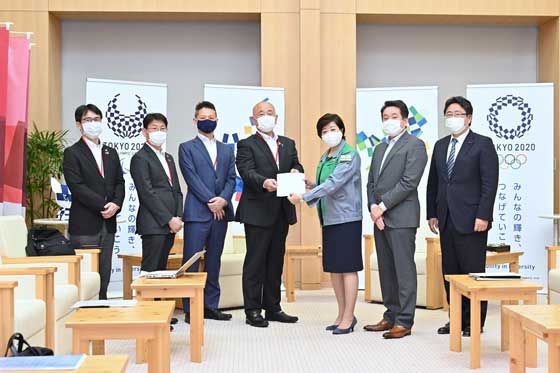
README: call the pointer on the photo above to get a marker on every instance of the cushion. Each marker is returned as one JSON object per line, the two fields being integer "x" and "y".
{"x": 13, "y": 236}
{"x": 90, "y": 285}
{"x": 232, "y": 264}
{"x": 64, "y": 297}
{"x": 554, "y": 280}
{"x": 29, "y": 316}
{"x": 419, "y": 258}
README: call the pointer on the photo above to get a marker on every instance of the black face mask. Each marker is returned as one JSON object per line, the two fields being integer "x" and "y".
{"x": 207, "y": 125}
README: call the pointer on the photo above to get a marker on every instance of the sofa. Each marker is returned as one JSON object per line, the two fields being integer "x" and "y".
{"x": 553, "y": 275}
{"x": 72, "y": 282}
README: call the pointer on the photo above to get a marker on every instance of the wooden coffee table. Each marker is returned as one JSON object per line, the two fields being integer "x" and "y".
{"x": 507, "y": 291}
{"x": 144, "y": 321}
{"x": 189, "y": 286}
{"x": 542, "y": 321}
{"x": 292, "y": 253}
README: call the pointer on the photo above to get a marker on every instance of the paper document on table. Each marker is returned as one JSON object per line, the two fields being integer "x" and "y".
{"x": 289, "y": 183}
{"x": 42, "y": 363}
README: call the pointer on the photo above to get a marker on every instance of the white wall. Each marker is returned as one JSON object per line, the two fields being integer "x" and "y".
{"x": 185, "y": 56}
{"x": 447, "y": 56}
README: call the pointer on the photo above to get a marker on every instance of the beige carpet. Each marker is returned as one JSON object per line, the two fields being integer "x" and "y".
{"x": 306, "y": 347}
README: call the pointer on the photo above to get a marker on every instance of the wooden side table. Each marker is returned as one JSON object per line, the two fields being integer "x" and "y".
{"x": 188, "y": 286}
{"x": 145, "y": 321}
{"x": 511, "y": 258}
{"x": 134, "y": 260}
{"x": 542, "y": 321}
{"x": 477, "y": 291}
{"x": 292, "y": 253}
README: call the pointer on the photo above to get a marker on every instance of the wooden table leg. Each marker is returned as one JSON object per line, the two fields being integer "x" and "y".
{"x": 127, "y": 279}
{"x": 289, "y": 281}
{"x": 159, "y": 351}
{"x": 98, "y": 347}
{"x": 531, "y": 340}
{"x": 454, "y": 318}
{"x": 141, "y": 344}
{"x": 505, "y": 324}
{"x": 79, "y": 345}
{"x": 554, "y": 353}
{"x": 514, "y": 266}
{"x": 517, "y": 352}
{"x": 475, "y": 332}
{"x": 196, "y": 325}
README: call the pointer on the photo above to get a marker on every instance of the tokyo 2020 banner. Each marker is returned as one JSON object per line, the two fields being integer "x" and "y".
{"x": 124, "y": 106}
{"x": 520, "y": 120}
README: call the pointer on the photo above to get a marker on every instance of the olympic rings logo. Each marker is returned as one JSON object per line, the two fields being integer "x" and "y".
{"x": 512, "y": 161}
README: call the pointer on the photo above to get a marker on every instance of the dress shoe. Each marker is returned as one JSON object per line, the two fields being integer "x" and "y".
{"x": 281, "y": 316}
{"x": 349, "y": 330}
{"x": 332, "y": 327}
{"x": 188, "y": 317}
{"x": 174, "y": 321}
{"x": 215, "y": 314}
{"x": 397, "y": 331}
{"x": 254, "y": 318}
{"x": 379, "y": 327}
{"x": 444, "y": 329}
{"x": 170, "y": 328}
{"x": 467, "y": 331}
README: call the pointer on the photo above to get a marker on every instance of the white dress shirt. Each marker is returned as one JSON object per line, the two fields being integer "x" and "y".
{"x": 460, "y": 141}
{"x": 161, "y": 156}
{"x": 96, "y": 151}
{"x": 272, "y": 142}
{"x": 211, "y": 148}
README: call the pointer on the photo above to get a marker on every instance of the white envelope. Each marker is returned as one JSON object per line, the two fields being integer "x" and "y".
{"x": 289, "y": 183}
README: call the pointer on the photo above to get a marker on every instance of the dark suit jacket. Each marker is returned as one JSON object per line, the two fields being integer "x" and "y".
{"x": 159, "y": 200}
{"x": 471, "y": 190}
{"x": 255, "y": 164}
{"x": 90, "y": 191}
{"x": 204, "y": 181}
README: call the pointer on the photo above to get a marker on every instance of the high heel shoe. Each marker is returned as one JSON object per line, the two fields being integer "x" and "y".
{"x": 332, "y": 327}
{"x": 347, "y": 330}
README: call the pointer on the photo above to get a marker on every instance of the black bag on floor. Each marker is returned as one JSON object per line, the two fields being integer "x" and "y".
{"x": 16, "y": 345}
{"x": 43, "y": 241}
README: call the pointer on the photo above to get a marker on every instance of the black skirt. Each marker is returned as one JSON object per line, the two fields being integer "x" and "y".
{"x": 342, "y": 247}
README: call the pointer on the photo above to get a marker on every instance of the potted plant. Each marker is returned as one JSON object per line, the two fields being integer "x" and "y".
{"x": 45, "y": 150}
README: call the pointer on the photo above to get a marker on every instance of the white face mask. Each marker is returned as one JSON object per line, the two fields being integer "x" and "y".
{"x": 392, "y": 127}
{"x": 266, "y": 123}
{"x": 158, "y": 137}
{"x": 455, "y": 125}
{"x": 332, "y": 138}
{"x": 92, "y": 130}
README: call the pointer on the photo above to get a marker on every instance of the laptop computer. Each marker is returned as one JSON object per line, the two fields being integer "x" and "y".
{"x": 178, "y": 273}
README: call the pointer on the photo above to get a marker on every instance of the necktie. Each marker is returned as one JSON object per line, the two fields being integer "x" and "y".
{"x": 451, "y": 158}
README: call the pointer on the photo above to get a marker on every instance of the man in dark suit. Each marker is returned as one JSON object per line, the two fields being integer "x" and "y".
{"x": 260, "y": 158}
{"x": 95, "y": 178}
{"x": 159, "y": 195}
{"x": 392, "y": 190}
{"x": 460, "y": 198}
{"x": 208, "y": 167}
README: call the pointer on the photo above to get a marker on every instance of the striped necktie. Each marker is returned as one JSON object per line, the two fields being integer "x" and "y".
{"x": 451, "y": 158}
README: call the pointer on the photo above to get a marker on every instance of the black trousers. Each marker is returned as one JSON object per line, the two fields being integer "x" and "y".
{"x": 155, "y": 251}
{"x": 262, "y": 269}
{"x": 462, "y": 254}
{"x": 105, "y": 241}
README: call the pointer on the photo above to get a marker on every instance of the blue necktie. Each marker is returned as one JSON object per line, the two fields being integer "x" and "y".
{"x": 451, "y": 158}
